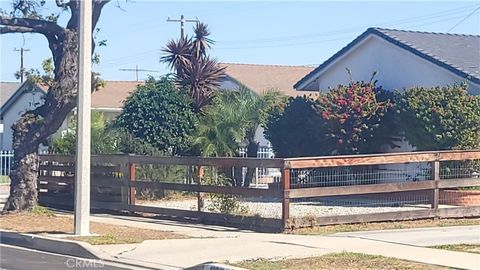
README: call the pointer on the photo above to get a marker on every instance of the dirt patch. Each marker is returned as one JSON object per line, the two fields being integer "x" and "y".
{"x": 105, "y": 233}
{"x": 391, "y": 225}
{"x": 344, "y": 260}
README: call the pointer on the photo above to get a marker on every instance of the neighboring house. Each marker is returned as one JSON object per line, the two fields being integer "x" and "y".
{"x": 6, "y": 90}
{"x": 27, "y": 96}
{"x": 403, "y": 59}
{"x": 263, "y": 78}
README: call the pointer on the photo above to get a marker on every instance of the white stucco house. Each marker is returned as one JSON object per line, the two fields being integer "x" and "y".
{"x": 17, "y": 98}
{"x": 403, "y": 59}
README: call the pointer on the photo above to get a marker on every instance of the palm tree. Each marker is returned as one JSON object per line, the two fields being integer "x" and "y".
{"x": 194, "y": 70}
{"x": 232, "y": 122}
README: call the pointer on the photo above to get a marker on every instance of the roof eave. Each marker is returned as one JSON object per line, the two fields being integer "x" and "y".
{"x": 307, "y": 79}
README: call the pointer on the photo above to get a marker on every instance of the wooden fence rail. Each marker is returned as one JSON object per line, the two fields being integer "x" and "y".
{"x": 115, "y": 185}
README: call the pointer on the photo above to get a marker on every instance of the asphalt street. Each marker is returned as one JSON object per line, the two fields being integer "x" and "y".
{"x": 22, "y": 258}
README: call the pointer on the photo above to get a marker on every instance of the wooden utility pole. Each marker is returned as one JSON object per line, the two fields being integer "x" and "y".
{"x": 136, "y": 69}
{"x": 82, "y": 169}
{"x": 182, "y": 22}
{"x": 22, "y": 68}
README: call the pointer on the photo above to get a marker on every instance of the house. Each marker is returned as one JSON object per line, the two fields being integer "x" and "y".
{"x": 17, "y": 98}
{"x": 263, "y": 78}
{"x": 403, "y": 59}
{"x": 6, "y": 90}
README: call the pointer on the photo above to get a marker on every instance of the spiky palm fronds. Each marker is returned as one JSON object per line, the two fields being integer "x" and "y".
{"x": 201, "y": 78}
{"x": 201, "y": 43}
{"x": 195, "y": 71}
{"x": 177, "y": 53}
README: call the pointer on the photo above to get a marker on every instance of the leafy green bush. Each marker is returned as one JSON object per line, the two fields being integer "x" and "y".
{"x": 297, "y": 129}
{"x": 349, "y": 119}
{"x": 441, "y": 118}
{"x": 161, "y": 115}
{"x": 103, "y": 140}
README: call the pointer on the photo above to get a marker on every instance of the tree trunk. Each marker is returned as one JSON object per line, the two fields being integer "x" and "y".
{"x": 34, "y": 127}
{"x": 252, "y": 150}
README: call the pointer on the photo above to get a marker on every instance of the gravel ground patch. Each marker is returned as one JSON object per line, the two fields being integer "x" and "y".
{"x": 273, "y": 209}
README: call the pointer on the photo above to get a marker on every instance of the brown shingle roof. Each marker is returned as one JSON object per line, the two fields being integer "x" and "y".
{"x": 113, "y": 94}
{"x": 261, "y": 78}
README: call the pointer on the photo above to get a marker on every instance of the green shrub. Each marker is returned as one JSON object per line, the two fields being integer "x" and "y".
{"x": 357, "y": 118}
{"x": 161, "y": 115}
{"x": 441, "y": 118}
{"x": 297, "y": 129}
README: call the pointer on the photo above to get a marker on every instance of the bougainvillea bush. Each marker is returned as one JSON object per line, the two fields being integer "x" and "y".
{"x": 359, "y": 118}
{"x": 349, "y": 119}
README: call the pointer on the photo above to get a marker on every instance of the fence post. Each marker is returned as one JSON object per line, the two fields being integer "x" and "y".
{"x": 131, "y": 184}
{"x": 286, "y": 197}
{"x": 199, "y": 194}
{"x": 435, "y": 191}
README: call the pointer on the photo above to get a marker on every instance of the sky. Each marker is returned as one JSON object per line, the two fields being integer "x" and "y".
{"x": 249, "y": 32}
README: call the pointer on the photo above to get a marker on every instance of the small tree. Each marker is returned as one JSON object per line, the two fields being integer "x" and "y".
{"x": 35, "y": 126}
{"x": 355, "y": 116}
{"x": 194, "y": 70}
{"x": 159, "y": 114}
{"x": 296, "y": 129}
{"x": 441, "y": 118}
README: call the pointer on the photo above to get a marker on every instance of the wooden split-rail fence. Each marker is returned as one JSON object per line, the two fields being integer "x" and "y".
{"x": 115, "y": 185}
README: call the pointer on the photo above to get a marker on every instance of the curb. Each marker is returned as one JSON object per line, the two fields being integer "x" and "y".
{"x": 84, "y": 250}
{"x": 48, "y": 244}
{"x": 214, "y": 266}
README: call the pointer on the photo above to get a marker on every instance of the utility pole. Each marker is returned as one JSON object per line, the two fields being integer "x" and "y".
{"x": 22, "y": 68}
{"x": 82, "y": 168}
{"x": 182, "y": 22}
{"x": 136, "y": 69}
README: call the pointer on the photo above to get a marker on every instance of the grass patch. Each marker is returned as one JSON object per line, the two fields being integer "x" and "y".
{"x": 344, "y": 260}
{"x": 46, "y": 223}
{"x": 470, "y": 248}
{"x": 41, "y": 211}
{"x": 390, "y": 225}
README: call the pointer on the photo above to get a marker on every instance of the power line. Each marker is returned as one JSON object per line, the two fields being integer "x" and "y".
{"x": 317, "y": 41}
{"x": 445, "y": 13}
{"x": 136, "y": 69}
{"x": 468, "y": 16}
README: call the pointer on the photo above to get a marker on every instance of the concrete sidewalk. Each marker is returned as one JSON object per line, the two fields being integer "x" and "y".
{"x": 216, "y": 244}
{"x": 423, "y": 236}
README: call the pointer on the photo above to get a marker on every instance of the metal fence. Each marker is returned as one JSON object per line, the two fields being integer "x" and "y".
{"x": 262, "y": 176}
{"x": 6, "y": 160}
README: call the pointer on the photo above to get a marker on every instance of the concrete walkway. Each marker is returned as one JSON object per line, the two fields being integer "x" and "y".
{"x": 216, "y": 243}
{"x": 423, "y": 236}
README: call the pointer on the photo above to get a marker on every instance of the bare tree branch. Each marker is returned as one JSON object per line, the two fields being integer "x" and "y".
{"x": 37, "y": 26}
{"x": 97, "y": 10}
{"x": 15, "y": 29}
